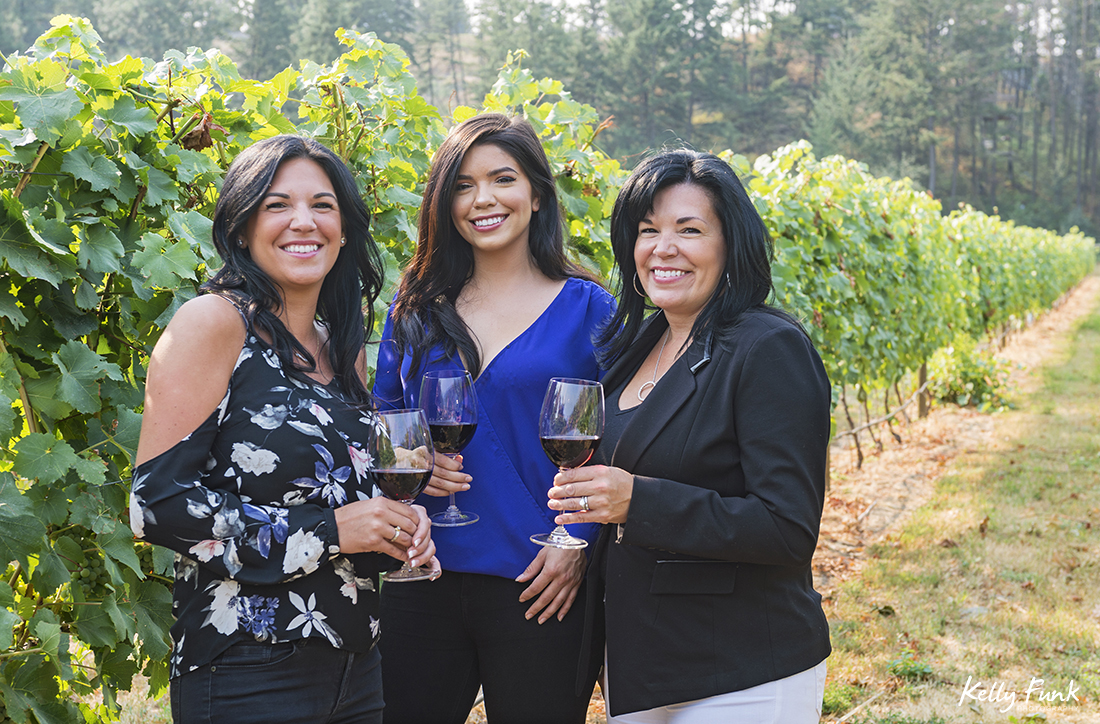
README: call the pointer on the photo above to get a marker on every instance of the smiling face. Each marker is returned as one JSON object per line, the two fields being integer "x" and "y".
{"x": 294, "y": 234}
{"x": 493, "y": 201}
{"x": 680, "y": 252}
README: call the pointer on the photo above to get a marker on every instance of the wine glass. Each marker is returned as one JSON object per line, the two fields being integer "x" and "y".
{"x": 570, "y": 428}
{"x": 448, "y": 399}
{"x": 401, "y": 461}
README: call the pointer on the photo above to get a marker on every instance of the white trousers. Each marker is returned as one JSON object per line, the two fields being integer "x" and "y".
{"x": 793, "y": 700}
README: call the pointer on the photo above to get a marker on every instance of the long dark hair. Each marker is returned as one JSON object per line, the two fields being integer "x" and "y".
{"x": 424, "y": 313}
{"x": 748, "y": 246}
{"x": 355, "y": 279}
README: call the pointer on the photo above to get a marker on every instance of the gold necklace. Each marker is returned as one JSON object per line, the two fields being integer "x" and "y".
{"x": 646, "y": 386}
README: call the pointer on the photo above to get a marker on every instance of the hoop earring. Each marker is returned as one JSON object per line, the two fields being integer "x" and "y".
{"x": 641, "y": 292}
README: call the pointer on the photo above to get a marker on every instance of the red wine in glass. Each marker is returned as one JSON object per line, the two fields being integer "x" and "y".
{"x": 449, "y": 439}
{"x": 570, "y": 429}
{"x": 448, "y": 399}
{"x": 402, "y": 483}
{"x": 402, "y": 459}
{"x": 569, "y": 451}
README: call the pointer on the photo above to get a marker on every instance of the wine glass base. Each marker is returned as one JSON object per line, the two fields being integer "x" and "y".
{"x": 552, "y": 540}
{"x": 453, "y": 518}
{"x": 408, "y": 575}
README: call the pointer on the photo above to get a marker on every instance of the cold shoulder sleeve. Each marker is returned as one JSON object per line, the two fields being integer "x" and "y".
{"x": 171, "y": 505}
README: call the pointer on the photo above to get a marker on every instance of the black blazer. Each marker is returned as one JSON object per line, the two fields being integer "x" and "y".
{"x": 708, "y": 585}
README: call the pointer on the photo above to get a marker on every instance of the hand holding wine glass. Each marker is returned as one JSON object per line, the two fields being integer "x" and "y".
{"x": 448, "y": 400}
{"x": 570, "y": 428}
{"x": 401, "y": 462}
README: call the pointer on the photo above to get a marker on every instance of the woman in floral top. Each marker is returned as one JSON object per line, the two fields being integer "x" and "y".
{"x": 252, "y": 463}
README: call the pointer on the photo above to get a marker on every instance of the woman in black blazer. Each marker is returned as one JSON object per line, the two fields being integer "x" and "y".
{"x": 713, "y": 474}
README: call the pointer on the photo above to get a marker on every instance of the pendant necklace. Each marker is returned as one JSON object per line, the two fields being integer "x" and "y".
{"x": 647, "y": 386}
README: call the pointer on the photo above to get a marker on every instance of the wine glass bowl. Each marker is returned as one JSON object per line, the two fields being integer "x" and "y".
{"x": 570, "y": 430}
{"x": 401, "y": 461}
{"x": 447, "y": 398}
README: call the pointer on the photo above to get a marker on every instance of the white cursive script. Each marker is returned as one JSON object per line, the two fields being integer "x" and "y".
{"x": 999, "y": 694}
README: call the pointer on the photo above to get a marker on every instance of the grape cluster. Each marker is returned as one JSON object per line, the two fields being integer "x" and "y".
{"x": 145, "y": 557}
{"x": 91, "y": 576}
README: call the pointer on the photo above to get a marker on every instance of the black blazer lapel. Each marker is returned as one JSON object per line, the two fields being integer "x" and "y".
{"x": 663, "y": 402}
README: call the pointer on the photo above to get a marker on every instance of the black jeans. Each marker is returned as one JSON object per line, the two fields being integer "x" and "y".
{"x": 306, "y": 682}
{"x": 442, "y": 639}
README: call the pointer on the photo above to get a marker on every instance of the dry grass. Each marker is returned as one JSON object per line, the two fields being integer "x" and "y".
{"x": 985, "y": 565}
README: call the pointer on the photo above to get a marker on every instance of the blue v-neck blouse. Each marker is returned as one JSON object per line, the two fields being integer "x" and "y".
{"x": 510, "y": 471}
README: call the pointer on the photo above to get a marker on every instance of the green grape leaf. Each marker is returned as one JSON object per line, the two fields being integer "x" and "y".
{"x": 81, "y": 369}
{"x": 125, "y": 433}
{"x": 119, "y": 619}
{"x": 18, "y": 247}
{"x": 189, "y": 165}
{"x": 13, "y": 138}
{"x": 67, "y": 548}
{"x": 99, "y": 171}
{"x": 164, "y": 263}
{"x": 89, "y": 510}
{"x": 47, "y": 628}
{"x": 196, "y": 230}
{"x": 86, "y": 297}
{"x": 398, "y": 195}
{"x": 42, "y": 394}
{"x": 53, "y": 234}
{"x": 96, "y": 627}
{"x": 23, "y": 532}
{"x": 152, "y": 605}
{"x": 100, "y": 250}
{"x": 9, "y": 309}
{"x": 43, "y": 103}
{"x": 32, "y": 684}
{"x": 92, "y": 471}
{"x": 164, "y": 560}
{"x": 119, "y": 545}
{"x": 125, "y": 113}
{"x": 43, "y": 458}
{"x": 68, "y": 319}
{"x": 156, "y": 670}
{"x": 8, "y": 621}
{"x": 50, "y": 573}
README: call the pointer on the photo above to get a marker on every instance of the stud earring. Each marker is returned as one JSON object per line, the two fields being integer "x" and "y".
{"x": 240, "y": 243}
{"x": 343, "y": 241}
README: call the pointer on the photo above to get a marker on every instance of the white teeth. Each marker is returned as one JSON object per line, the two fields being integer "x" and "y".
{"x": 301, "y": 248}
{"x": 667, "y": 273}
{"x": 488, "y": 222}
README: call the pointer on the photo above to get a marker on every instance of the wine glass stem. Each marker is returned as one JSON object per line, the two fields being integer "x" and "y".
{"x": 452, "y": 508}
{"x": 559, "y": 533}
{"x": 405, "y": 567}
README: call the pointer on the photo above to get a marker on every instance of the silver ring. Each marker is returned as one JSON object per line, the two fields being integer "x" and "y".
{"x": 584, "y": 503}
{"x": 396, "y": 532}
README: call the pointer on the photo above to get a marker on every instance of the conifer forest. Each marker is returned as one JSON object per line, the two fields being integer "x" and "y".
{"x": 982, "y": 102}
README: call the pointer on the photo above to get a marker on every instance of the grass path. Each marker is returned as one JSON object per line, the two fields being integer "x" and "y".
{"x": 994, "y": 583}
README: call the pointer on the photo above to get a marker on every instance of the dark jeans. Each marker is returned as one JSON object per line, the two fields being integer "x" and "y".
{"x": 306, "y": 682}
{"x": 442, "y": 639}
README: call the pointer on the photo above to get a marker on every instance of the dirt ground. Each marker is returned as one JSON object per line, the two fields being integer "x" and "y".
{"x": 863, "y": 505}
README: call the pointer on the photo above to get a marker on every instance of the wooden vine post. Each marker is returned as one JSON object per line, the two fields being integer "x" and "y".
{"x": 922, "y": 401}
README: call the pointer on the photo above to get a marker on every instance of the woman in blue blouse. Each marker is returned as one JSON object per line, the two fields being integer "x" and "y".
{"x": 251, "y": 462}
{"x": 490, "y": 290}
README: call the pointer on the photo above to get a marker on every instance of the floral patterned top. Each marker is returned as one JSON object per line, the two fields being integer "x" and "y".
{"x": 247, "y": 502}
